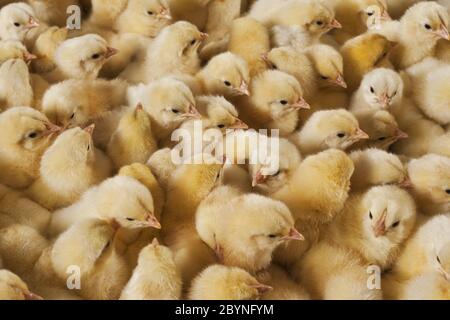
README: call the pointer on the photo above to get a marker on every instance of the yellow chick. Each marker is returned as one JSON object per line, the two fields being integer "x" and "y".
{"x": 45, "y": 47}
{"x": 15, "y": 85}
{"x": 219, "y": 282}
{"x": 382, "y": 128}
{"x": 398, "y": 7}
{"x": 441, "y": 145}
{"x": 104, "y": 13}
{"x": 122, "y": 200}
{"x": 13, "y": 288}
{"x": 133, "y": 140}
{"x": 169, "y": 102}
{"x": 14, "y": 49}
{"x": 362, "y": 54}
{"x": 379, "y": 90}
{"x": 343, "y": 277}
{"x": 376, "y": 16}
{"x": 80, "y": 58}
{"x": 194, "y": 11}
{"x": 155, "y": 277}
{"x": 68, "y": 168}
{"x": 418, "y": 33}
{"x": 162, "y": 166}
{"x": 27, "y": 134}
{"x": 431, "y": 183}
{"x": 52, "y": 12}
{"x": 274, "y": 103}
{"x": 250, "y": 39}
{"x": 16, "y": 21}
{"x": 430, "y": 286}
{"x": 296, "y": 23}
{"x": 338, "y": 129}
{"x": 374, "y": 167}
{"x": 375, "y": 224}
{"x": 93, "y": 246}
{"x": 174, "y": 51}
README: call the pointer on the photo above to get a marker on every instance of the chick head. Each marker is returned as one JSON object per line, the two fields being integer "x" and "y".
{"x": 48, "y": 41}
{"x": 16, "y": 20}
{"x": 427, "y": 20}
{"x": 329, "y": 65}
{"x": 381, "y": 88}
{"x": 287, "y": 59}
{"x": 277, "y": 93}
{"x": 375, "y": 14}
{"x": 430, "y": 176}
{"x": 228, "y": 75}
{"x": 13, "y": 288}
{"x": 388, "y": 212}
{"x": 219, "y": 113}
{"x": 267, "y": 181}
{"x": 84, "y": 56}
{"x": 26, "y": 130}
{"x": 13, "y": 49}
{"x": 228, "y": 283}
{"x": 169, "y": 102}
{"x": 252, "y": 235}
{"x": 155, "y": 254}
{"x": 126, "y": 202}
{"x": 332, "y": 129}
{"x": 443, "y": 261}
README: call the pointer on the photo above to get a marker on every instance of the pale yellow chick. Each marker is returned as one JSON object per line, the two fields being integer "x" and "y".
{"x": 13, "y": 288}
{"x": 14, "y": 49}
{"x": 45, "y": 47}
{"x": 15, "y": 85}
{"x": 16, "y": 21}
{"x": 53, "y": 12}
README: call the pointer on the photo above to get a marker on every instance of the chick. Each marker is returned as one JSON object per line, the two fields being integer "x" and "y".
{"x": 15, "y": 85}
{"x": 337, "y": 129}
{"x": 68, "y": 168}
{"x": 226, "y": 283}
{"x": 155, "y": 277}
{"x": 250, "y": 39}
{"x": 13, "y": 49}
{"x": 441, "y": 145}
{"x": 296, "y": 23}
{"x": 104, "y": 13}
{"x": 168, "y": 102}
{"x": 194, "y": 11}
{"x": 362, "y": 54}
{"x": 431, "y": 183}
{"x": 379, "y": 89}
{"x": 93, "y": 246}
{"x": 225, "y": 75}
{"x": 398, "y": 7}
{"x": 133, "y": 140}
{"x": 27, "y": 134}
{"x": 374, "y": 167}
{"x": 108, "y": 201}
{"x": 16, "y": 21}
{"x": 424, "y": 24}
{"x": 45, "y": 47}
{"x": 274, "y": 103}
{"x": 375, "y": 224}
{"x": 382, "y": 128}
{"x": 162, "y": 166}
{"x": 430, "y": 286}
{"x": 376, "y": 16}
{"x": 80, "y": 58}
{"x": 174, "y": 51}
{"x": 13, "y": 288}
{"x": 52, "y": 12}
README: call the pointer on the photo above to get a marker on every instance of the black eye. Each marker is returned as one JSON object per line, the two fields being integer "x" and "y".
{"x": 221, "y": 126}
{"x": 72, "y": 116}
{"x": 341, "y": 135}
{"x": 370, "y": 14}
{"x": 284, "y": 102}
{"x": 438, "y": 260}
{"x": 88, "y": 147}
{"x": 96, "y": 56}
{"x": 17, "y": 24}
{"x": 395, "y": 93}
{"x": 319, "y": 23}
{"x": 372, "y": 90}
{"x": 130, "y": 219}
{"x": 324, "y": 78}
{"x": 273, "y": 236}
{"x": 370, "y": 215}
{"x": 175, "y": 111}
{"x": 427, "y": 26}
{"x": 150, "y": 13}
{"x": 277, "y": 173}
{"x": 32, "y": 135}
{"x": 193, "y": 42}
{"x": 396, "y": 224}
{"x": 447, "y": 191}
{"x": 382, "y": 139}
{"x": 227, "y": 83}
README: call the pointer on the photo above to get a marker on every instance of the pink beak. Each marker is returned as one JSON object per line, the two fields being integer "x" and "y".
{"x": 361, "y": 135}
{"x": 32, "y": 296}
{"x": 385, "y": 101}
{"x": 294, "y": 235}
{"x": 301, "y": 104}
{"x": 259, "y": 179}
{"x": 262, "y": 288}
{"x": 340, "y": 82}
{"x": 406, "y": 183}
{"x": 204, "y": 36}
{"x": 164, "y": 14}
{"x": 28, "y": 57}
{"x": 90, "y": 129}
{"x": 155, "y": 242}
{"x": 32, "y": 23}
{"x": 399, "y": 134}
{"x": 239, "y": 125}
{"x": 110, "y": 52}
{"x": 52, "y": 128}
{"x": 153, "y": 222}
{"x": 380, "y": 226}
{"x": 443, "y": 32}
{"x": 335, "y": 24}
{"x": 193, "y": 113}
{"x": 243, "y": 89}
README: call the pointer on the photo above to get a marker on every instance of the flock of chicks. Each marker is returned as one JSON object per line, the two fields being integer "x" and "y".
{"x": 358, "y": 89}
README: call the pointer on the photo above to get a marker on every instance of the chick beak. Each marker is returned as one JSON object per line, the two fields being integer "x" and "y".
{"x": 339, "y": 81}
{"x": 115, "y": 225}
{"x": 153, "y": 222}
{"x": 32, "y": 296}
{"x": 164, "y": 14}
{"x": 335, "y": 24}
{"x": 90, "y": 129}
{"x": 361, "y": 135}
{"x": 265, "y": 58}
{"x": 193, "y": 113}
{"x": 243, "y": 89}
{"x": 28, "y": 57}
{"x": 32, "y": 23}
{"x": 406, "y": 183}
{"x": 444, "y": 273}
{"x": 259, "y": 179}
{"x": 384, "y": 101}
{"x": 399, "y": 134}
{"x": 380, "y": 226}
{"x": 110, "y": 52}
{"x": 294, "y": 235}
{"x": 139, "y": 107}
{"x": 301, "y": 104}
{"x": 239, "y": 125}
{"x": 262, "y": 288}
{"x": 52, "y": 129}
{"x": 155, "y": 242}
{"x": 443, "y": 32}
{"x": 203, "y": 36}
{"x": 385, "y": 16}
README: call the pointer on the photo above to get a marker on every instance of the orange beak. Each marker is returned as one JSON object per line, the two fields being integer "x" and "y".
{"x": 32, "y": 23}
{"x": 52, "y": 128}
{"x": 110, "y": 52}
{"x": 443, "y": 32}
{"x": 153, "y": 222}
{"x": 239, "y": 125}
{"x": 294, "y": 235}
{"x": 28, "y": 57}
{"x": 399, "y": 134}
{"x": 301, "y": 104}
{"x": 361, "y": 135}
{"x": 164, "y": 14}
{"x": 259, "y": 179}
{"x": 262, "y": 288}
{"x": 335, "y": 24}
{"x": 243, "y": 89}
{"x": 193, "y": 113}
{"x": 155, "y": 242}
{"x": 380, "y": 226}
{"x": 203, "y": 36}
{"x": 339, "y": 81}
{"x": 90, "y": 129}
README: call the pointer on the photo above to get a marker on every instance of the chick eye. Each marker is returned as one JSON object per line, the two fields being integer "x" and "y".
{"x": 88, "y": 147}
{"x": 370, "y": 215}
{"x": 273, "y": 236}
{"x": 277, "y": 173}
{"x": 32, "y": 135}
{"x": 72, "y": 116}
{"x": 319, "y": 23}
{"x": 370, "y": 13}
{"x": 227, "y": 83}
{"x": 17, "y": 24}
{"x": 395, "y": 93}
{"x": 284, "y": 102}
{"x": 324, "y": 78}
{"x": 150, "y": 13}
{"x": 130, "y": 219}
{"x": 447, "y": 191}
{"x": 341, "y": 135}
{"x": 193, "y": 42}
{"x": 372, "y": 90}
{"x": 175, "y": 111}
{"x": 396, "y": 224}
{"x": 438, "y": 260}
{"x": 427, "y": 26}
{"x": 382, "y": 139}
{"x": 221, "y": 126}
{"x": 95, "y": 56}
